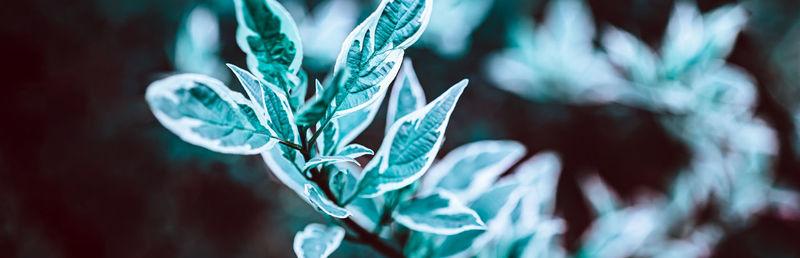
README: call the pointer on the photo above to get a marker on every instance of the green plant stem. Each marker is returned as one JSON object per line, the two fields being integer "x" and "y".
{"x": 289, "y": 144}
{"x": 364, "y": 236}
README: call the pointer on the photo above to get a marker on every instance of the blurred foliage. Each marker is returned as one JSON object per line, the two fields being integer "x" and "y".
{"x": 88, "y": 172}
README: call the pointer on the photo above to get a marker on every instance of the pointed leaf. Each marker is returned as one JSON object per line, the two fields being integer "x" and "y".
{"x": 631, "y": 54}
{"x": 269, "y": 37}
{"x": 683, "y": 40}
{"x": 367, "y": 80}
{"x": 539, "y": 175}
{"x": 493, "y": 207}
{"x": 204, "y": 112}
{"x": 197, "y": 45}
{"x": 273, "y": 108}
{"x": 299, "y": 89}
{"x": 311, "y": 114}
{"x": 319, "y": 160}
{"x": 407, "y": 94}
{"x": 328, "y": 141}
{"x": 440, "y": 213}
{"x": 410, "y": 146}
{"x": 354, "y": 151}
{"x": 401, "y": 22}
{"x": 373, "y": 51}
{"x": 338, "y": 182}
{"x": 470, "y": 170}
{"x": 286, "y": 172}
{"x": 353, "y": 124}
{"x": 317, "y": 241}
{"x": 324, "y": 204}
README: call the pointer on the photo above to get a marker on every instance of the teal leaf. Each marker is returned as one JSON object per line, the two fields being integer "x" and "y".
{"x": 694, "y": 40}
{"x": 204, "y": 112}
{"x": 401, "y": 22}
{"x": 297, "y": 96}
{"x": 330, "y": 134}
{"x": 353, "y": 124}
{"x": 635, "y": 58}
{"x": 407, "y": 94}
{"x": 328, "y": 22}
{"x": 452, "y": 24}
{"x": 439, "y": 213}
{"x": 320, "y": 160}
{"x": 367, "y": 81}
{"x": 197, "y": 45}
{"x": 410, "y": 145}
{"x": 317, "y": 241}
{"x": 324, "y": 204}
{"x": 354, "y": 151}
{"x": 372, "y": 53}
{"x": 365, "y": 211}
{"x": 338, "y": 182}
{"x": 286, "y": 172}
{"x": 494, "y": 207}
{"x": 539, "y": 175}
{"x": 683, "y": 39}
{"x": 272, "y": 108}
{"x": 543, "y": 61}
{"x": 311, "y": 114}
{"x": 600, "y": 196}
{"x": 269, "y": 37}
{"x": 470, "y": 170}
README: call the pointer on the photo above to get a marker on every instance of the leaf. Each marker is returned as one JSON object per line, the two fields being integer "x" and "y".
{"x": 327, "y": 143}
{"x": 410, "y": 145}
{"x": 329, "y": 21}
{"x": 365, "y": 211}
{"x": 313, "y": 112}
{"x": 317, "y": 240}
{"x": 197, "y": 45}
{"x": 493, "y": 207}
{"x": 452, "y": 24}
{"x": 683, "y": 39}
{"x": 440, "y": 213}
{"x": 539, "y": 175}
{"x": 338, "y": 183}
{"x": 407, "y": 94}
{"x": 324, "y": 204}
{"x": 367, "y": 80}
{"x": 544, "y": 60}
{"x": 298, "y": 93}
{"x": 272, "y": 108}
{"x": 353, "y": 124}
{"x": 372, "y": 53}
{"x": 204, "y": 112}
{"x": 319, "y": 160}
{"x": 354, "y": 151}
{"x": 601, "y": 197}
{"x": 286, "y": 172}
{"x": 632, "y": 55}
{"x": 269, "y": 37}
{"x": 401, "y": 22}
{"x": 470, "y": 170}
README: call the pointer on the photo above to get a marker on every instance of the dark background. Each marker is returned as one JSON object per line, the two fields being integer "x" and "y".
{"x": 86, "y": 170}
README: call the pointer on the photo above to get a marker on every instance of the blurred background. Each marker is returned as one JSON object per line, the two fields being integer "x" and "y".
{"x": 682, "y": 99}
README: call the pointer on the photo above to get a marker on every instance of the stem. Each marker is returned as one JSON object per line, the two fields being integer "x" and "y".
{"x": 290, "y": 144}
{"x": 365, "y": 237}
{"x": 372, "y": 240}
{"x": 319, "y": 132}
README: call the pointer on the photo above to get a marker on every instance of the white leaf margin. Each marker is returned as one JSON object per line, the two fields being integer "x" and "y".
{"x": 455, "y": 206}
{"x": 335, "y": 233}
{"x": 183, "y": 127}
